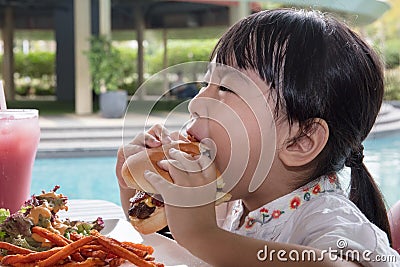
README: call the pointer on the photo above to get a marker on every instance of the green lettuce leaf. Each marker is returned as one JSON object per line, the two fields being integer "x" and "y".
{"x": 4, "y": 213}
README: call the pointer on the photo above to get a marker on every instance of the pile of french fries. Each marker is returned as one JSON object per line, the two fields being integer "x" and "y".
{"x": 92, "y": 250}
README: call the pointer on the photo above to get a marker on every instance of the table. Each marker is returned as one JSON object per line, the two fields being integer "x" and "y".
{"x": 89, "y": 210}
{"x": 166, "y": 250}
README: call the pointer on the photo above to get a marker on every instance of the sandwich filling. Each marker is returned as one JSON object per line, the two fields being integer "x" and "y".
{"x": 142, "y": 205}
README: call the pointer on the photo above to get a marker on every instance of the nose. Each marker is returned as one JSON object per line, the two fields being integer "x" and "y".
{"x": 197, "y": 105}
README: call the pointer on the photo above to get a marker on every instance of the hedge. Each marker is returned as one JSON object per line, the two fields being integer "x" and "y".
{"x": 392, "y": 84}
{"x": 180, "y": 51}
{"x": 35, "y": 72}
{"x": 391, "y": 53}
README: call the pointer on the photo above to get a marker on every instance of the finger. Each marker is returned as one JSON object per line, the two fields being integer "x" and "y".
{"x": 174, "y": 167}
{"x": 184, "y": 178}
{"x": 207, "y": 167}
{"x": 129, "y": 150}
{"x": 187, "y": 162}
{"x": 151, "y": 141}
{"x": 163, "y": 164}
{"x": 178, "y": 136}
{"x": 145, "y": 140}
{"x": 161, "y": 133}
{"x": 159, "y": 183}
{"x": 187, "y": 191}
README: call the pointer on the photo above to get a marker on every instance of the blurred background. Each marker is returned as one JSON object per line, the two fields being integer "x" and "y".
{"x": 45, "y": 45}
{"x": 64, "y": 57}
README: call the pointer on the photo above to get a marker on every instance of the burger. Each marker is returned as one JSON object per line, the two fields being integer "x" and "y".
{"x": 146, "y": 212}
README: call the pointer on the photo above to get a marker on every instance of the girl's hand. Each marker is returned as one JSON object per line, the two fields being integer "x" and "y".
{"x": 190, "y": 201}
{"x": 155, "y": 137}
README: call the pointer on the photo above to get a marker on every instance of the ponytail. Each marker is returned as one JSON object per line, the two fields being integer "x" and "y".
{"x": 365, "y": 193}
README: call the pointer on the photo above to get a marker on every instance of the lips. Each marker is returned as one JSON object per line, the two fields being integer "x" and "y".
{"x": 192, "y": 135}
{"x": 197, "y": 129}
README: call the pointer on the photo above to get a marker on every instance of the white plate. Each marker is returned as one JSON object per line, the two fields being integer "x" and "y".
{"x": 166, "y": 251}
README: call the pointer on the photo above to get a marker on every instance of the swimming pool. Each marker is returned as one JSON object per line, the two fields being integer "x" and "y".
{"x": 94, "y": 178}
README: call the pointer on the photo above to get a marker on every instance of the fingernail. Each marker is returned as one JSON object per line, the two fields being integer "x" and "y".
{"x": 173, "y": 150}
{"x": 146, "y": 172}
{"x": 161, "y": 164}
{"x": 167, "y": 139}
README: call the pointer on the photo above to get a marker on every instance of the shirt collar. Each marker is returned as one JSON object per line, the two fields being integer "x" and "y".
{"x": 278, "y": 211}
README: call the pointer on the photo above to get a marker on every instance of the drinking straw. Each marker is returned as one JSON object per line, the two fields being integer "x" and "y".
{"x": 3, "y": 104}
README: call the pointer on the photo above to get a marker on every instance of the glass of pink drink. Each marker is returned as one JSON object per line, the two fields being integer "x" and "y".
{"x": 19, "y": 138}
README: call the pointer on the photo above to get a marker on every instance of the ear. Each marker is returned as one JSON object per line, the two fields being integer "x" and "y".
{"x": 307, "y": 147}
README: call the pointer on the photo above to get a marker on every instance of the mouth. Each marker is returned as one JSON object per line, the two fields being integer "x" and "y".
{"x": 191, "y": 135}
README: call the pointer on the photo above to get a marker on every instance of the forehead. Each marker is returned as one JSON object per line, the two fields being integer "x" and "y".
{"x": 239, "y": 80}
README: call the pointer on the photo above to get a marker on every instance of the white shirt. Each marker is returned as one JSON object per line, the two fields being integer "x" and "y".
{"x": 317, "y": 215}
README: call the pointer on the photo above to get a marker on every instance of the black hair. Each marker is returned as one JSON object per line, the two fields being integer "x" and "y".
{"x": 317, "y": 67}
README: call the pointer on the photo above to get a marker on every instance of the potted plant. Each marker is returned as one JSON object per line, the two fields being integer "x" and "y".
{"x": 105, "y": 63}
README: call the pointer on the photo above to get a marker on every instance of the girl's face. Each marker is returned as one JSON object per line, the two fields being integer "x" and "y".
{"x": 233, "y": 111}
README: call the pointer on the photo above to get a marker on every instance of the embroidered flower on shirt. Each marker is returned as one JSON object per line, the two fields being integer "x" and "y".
{"x": 264, "y": 214}
{"x": 316, "y": 189}
{"x": 295, "y": 202}
{"x": 250, "y": 222}
{"x": 277, "y": 213}
{"x": 305, "y": 194}
{"x": 264, "y": 210}
{"x": 332, "y": 178}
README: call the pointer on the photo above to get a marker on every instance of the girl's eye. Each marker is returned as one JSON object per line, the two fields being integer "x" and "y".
{"x": 221, "y": 88}
{"x": 224, "y": 89}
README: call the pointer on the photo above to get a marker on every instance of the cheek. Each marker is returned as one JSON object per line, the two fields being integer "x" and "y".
{"x": 239, "y": 136}
{"x": 222, "y": 141}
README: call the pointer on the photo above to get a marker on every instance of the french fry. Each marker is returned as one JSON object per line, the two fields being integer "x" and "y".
{"x": 116, "y": 262}
{"x": 76, "y": 256}
{"x": 121, "y": 252}
{"x": 75, "y": 236}
{"x": 14, "y": 249}
{"x": 65, "y": 252}
{"x": 52, "y": 237}
{"x": 91, "y": 247}
{"x": 139, "y": 249}
{"x": 89, "y": 262}
{"x": 95, "y": 254}
{"x": 56, "y": 239}
{"x": 32, "y": 257}
{"x": 31, "y": 264}
{"x": 142, "y": 247}
{"x": 138, "y": 252}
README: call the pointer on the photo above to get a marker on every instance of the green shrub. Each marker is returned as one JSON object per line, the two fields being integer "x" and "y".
{"x": 129, "y": 67}
{"x": 392, "y": 53}
{"x": 181, "y": 51}
{"x": 22, "y": 90}
{"x": 130, "y": 84}
{"x": 35, "y": 71}
{"x": 392, "y": 84}
{"x": 129, "y": 61}
{"x": 35, "y": 64}
{"x": 105, "y": 62}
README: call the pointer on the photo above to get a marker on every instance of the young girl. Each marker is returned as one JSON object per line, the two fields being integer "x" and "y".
{"x": 325, "y": 87}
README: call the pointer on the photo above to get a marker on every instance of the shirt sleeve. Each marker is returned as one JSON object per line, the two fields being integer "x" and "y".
{"x": 336, "y": 225}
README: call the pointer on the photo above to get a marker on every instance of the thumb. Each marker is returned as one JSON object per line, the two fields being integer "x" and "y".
{"x": 159, "y": 183}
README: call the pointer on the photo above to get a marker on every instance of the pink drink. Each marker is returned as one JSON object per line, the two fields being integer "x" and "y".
{"x": 19, "y": 138}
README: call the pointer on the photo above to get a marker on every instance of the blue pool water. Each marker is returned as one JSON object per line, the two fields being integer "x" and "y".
{"x": 94, "y": 178}
{"x": 88, "y": 178}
